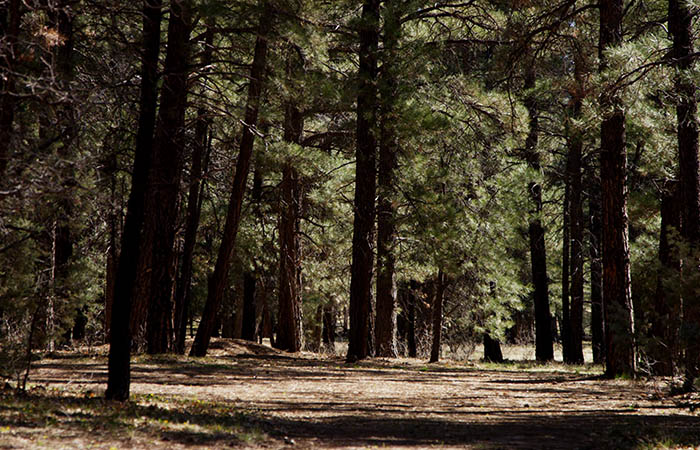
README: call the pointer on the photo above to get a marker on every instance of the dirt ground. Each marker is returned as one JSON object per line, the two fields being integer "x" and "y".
{"x": 250, "y": 395}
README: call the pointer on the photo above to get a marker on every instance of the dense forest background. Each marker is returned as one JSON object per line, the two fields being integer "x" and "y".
{"x": 409, "y": 176}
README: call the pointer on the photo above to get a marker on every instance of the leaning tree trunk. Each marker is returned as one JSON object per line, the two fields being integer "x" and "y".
{"x": 385, "y": 323}
{"x": 544, "y": 347}
{"x": 664, "y": 349}
{"x": 289, "y": 324}
{"x": 217, "y": 282}
{"x": 619, "y": 316}
{"x": 164, "y": 178}
{"x": 365, "y": 186}
{"x": 200, "y": 149}
{"x": 680, "y": 20}
{"x": 437, "y": 316}
{"x": 119, "y": 369}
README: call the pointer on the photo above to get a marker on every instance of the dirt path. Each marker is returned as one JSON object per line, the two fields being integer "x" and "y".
{"x": 310, "y": 402}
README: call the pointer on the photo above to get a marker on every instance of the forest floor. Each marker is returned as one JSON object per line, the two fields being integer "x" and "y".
{"x": 246, "y": 395}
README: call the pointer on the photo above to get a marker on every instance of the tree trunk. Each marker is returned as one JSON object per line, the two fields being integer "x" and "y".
{"x": 365, "y": 186}
{"x": 10, "y": 19}
{"x": 217, "y": 282}
{"x": 437, "y": 316}
{"x": 289, "y": 324}
{"x": 597, "y": 323}
{"x": 249, "y": 316}
{"x": 619, "y": 317}
{"x": 119, "y": 369}
{"x": 492, "y": 349}
{"x": 385, "y": 324}
{"x": 164, "y": 178}
{"x": 680, "y": 20}
{"x": 200, "y": 147}
{"x": 411, "y": 318}
{"x": 544, "y": 349}
{"x": 574, "y": 164}
{"x": 565, "y": 285}
{"x": 663, "y": 349}
{"x": 329, "y": 327}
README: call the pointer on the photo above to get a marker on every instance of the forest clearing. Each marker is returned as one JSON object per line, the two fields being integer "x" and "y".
{"x": 247, "y": 395}
{"x": 488, "y": 209}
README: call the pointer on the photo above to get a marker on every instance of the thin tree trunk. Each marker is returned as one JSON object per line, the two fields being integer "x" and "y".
{"x": 544, "y": 347}
{"x": 119, "y": 368}
{"x": 574, "y": 164}
{"x": 597, "y": 323}
{"x": 217, "y": 282}
{"x": 665, "y": 323}
{"x": 411, "y": 318}
{"x": 365, "y": 186}
{"x": 565, "y": 285}
{"x": 385, "y": 324}
{"x": 619, "y": 316}
{"x": 437, "y": 316}
{"x": 194, "y": 208}
{"x": 680, "y": 19}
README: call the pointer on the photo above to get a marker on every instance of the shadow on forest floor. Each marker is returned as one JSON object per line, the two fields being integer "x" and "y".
{"x": 253, "y": 396}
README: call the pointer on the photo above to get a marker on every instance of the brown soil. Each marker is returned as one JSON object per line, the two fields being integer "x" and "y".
{"x": 322, "y": 402}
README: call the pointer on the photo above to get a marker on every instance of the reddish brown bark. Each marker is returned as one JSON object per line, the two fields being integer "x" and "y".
{"x": 385, "y": 324}
{"x": 619, "y": 317}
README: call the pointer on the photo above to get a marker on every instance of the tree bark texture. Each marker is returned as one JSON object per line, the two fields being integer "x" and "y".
{"x": 544, "y": 347}
{"x": 365, "y": 186}
{"x": 200, "y": 151}
{"x": 664, "y": 350}
{"x": 619, "y": 316}
{"x": 289, "y": 324}
{"x": 385, "y": 323}
{"x": 680, "y": 20}
{"x": 119, "y": 369}
{"x": 217, "y": 281}
{"x": 164, "y": 178}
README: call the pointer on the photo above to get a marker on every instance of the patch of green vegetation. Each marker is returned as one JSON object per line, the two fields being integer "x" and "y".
{"x": 146, "y": 416}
